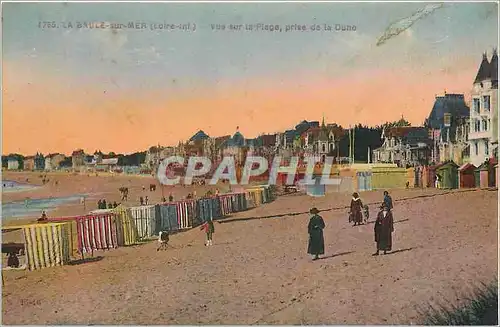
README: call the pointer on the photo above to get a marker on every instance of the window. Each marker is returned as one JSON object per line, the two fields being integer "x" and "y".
{"x": 324, "y": 148}
{"x": 475, "y": 104}
{"x": 478, "y": 125}
{"x": 486, "y": 102}
{"x": 476, "y": 148}
{"x": 484, "y": 125}
{"x": 486, "y": 148}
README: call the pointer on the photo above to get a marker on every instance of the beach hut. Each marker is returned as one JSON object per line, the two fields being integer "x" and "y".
{"x": 125, "y": 225}
{"x": 256, "y": 195}
{"x": 449, "y": 175}
{"x": 145, "y": 220}
{"x": 208, "y": 209}
{"x": 492, "y": 172}
{"x": 411, "y": 177}
{"x": 388, "y": 178}
{"x": 317, "y": 189}
{"x": 250, "y": 198}
{"x": 46, "y": 245}
{"x": 364, "y": 180}
{"x": 167, "y": 221}
{"x": 97, "y": 232}
{"x": 186, "y": 213}
{"x": 497, "y": 176}
{"x": 481, "y": 176}
{"x": 419, "y": 174}
{"x": 226, "y": 204}
{"x": 238, "y": 201}
{"x": 466, "y": 176}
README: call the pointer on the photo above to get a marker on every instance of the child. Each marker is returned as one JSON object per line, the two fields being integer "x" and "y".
{"x": 13, "y": 260}
{"x": 209, "y": 229}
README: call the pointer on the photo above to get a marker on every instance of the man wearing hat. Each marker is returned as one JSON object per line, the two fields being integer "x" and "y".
{"x": 384, "y": 226}
{"x": 315, "y": 229}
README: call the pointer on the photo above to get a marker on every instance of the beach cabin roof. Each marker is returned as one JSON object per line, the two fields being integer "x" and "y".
{"x": 466, "y": 166}
{"x": 483, "y": 166}
{"x": 446, "y": 165}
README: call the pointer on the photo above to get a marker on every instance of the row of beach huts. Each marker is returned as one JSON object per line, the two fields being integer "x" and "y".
{"x": 60, "y": 240}
{"x": 446, "y": 175}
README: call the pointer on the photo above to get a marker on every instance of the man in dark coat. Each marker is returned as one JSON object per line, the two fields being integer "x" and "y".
{"x": 384, "y": 226}
{"x": 315, "y": 230}
{"x": 356, "y": 212}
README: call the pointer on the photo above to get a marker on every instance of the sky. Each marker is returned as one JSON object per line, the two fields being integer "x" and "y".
{"x": 125, "y": 89}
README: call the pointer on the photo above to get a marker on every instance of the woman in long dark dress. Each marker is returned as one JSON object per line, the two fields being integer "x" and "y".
{"x": 315, "y": 228}
{"x": 356, "y": 214}
{"x": 384, "y": 226}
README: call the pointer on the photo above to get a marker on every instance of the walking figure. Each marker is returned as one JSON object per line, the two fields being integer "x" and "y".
{"x": 355, "y": 214}
{"x": 384, "y": 226}
{"x": 315, "y": 228}
{"x": 388, "y": 200}
{"x": 209, "y": 229}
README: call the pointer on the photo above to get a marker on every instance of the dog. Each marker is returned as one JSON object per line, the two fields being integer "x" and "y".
{"x": 366, "y": 213}
{"x": 163, "y": 239}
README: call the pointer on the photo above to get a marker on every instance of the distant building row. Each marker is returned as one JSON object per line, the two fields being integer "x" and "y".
{"x": 452, "y": 132}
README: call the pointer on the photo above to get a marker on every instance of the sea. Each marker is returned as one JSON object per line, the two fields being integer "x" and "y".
{"x": 30, "y": 207}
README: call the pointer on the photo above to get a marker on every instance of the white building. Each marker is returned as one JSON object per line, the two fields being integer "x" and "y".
{"x": 483, "y": 135}
{"x": 12, "y": 164}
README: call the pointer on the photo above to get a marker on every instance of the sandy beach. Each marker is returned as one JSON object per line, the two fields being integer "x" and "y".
{"x": 257, "y": 271}
{"x": 103, "y": 186}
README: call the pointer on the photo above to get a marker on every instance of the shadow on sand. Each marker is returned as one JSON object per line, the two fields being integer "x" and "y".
{"x": 86, "y": 260}
{"x": 401, "y": 250}
{"x": 396, "y": 221}
{"x": 335, "y": 255}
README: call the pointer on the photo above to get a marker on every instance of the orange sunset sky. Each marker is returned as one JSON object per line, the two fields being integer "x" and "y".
{"x": 59, "y": 95}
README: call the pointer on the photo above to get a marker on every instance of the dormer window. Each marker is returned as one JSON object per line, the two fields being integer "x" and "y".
{"x": 486, "y": 102}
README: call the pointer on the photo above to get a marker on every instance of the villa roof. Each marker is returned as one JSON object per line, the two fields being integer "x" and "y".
{"x": 483, "y": 72}
{"x": 453, "y": 104}
{"x": 200, "y": 135}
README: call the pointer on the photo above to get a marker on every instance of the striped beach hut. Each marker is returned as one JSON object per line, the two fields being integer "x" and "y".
{"x": 257, "y": 196}
{"x": 97, "y": 232}
{"x": 226, "y": 204}
{"x": 145, "y": 220}
{"x": 239, "y": 201}
{"x": 46, "y": 245}
{"x": 186, "y": 211}
{"x": 126, "y": 229}
{"x": 208, "y": 208}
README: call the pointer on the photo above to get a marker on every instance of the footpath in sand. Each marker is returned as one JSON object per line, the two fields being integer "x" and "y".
{"x": 257, "y": 271}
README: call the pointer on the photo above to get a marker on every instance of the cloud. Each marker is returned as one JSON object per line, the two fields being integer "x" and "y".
{"x": 146, "y": 55}
{"x": 403, "y": 24}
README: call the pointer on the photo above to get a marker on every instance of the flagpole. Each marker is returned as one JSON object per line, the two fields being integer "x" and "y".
{"x": 353, "y": 137}
{"x": 350, "y": 145}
